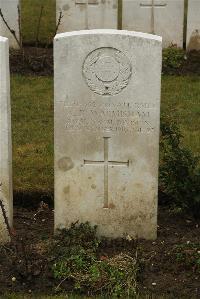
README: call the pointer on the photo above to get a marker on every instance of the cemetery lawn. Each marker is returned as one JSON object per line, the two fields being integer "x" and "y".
{"x": 32, "y": 126}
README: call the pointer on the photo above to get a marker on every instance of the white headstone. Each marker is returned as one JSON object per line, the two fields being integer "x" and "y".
{"x": 5, "y": 140}
{"x": 9, "y": 9}
{"x": 193, "y": 25}
{"x": 107, "y": 110}
{"x": 161, "y": 17}
{"x": 87, "y": 14}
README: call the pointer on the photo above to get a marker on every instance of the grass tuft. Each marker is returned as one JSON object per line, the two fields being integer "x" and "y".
{"x": 77, "y": 262}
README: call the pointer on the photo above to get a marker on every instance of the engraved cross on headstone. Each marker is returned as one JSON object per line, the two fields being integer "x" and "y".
{"x": 86, "y": 3}
{"x": 153, "y": 5}
{"x": 106, "y": 163}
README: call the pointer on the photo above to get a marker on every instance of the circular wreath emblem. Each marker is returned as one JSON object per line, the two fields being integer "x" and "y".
{"x": 107, "y": 71}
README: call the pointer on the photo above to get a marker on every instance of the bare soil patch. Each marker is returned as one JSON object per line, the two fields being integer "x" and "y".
{"x": 33, "y": 61}
{"x": 161, "y": 270}
{"x": 189, "y": 66}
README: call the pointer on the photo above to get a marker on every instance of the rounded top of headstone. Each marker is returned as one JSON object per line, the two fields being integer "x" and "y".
{"x": 110, "y": 32}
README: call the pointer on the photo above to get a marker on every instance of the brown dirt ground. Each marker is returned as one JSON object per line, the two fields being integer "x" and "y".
{"x": 158, "y": 261}
{"x": 34, "y": 61}
{"x": 190, "y": 65}
{"x": 39, "y": 61}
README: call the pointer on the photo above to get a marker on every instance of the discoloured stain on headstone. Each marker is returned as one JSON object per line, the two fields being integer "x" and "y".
{"x": 65, "y": 164}
{"x": 193, "y": 25}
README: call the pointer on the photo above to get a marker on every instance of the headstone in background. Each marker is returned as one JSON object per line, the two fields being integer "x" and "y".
{"x": 9, "y": 9}
{"x": 193, "y": 25}
{"x": 87, "y": 14}
{"x": 161, "y": 17}
{"x": 107, "y": 111}
{"x": 5, "y": 140}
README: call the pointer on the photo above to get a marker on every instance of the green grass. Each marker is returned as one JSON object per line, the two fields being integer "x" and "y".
{"x": 32, "y": 124}
{"x": 181, "y": 99}
{"x": 30, "y": 11}
{"x": 25, "y": 296}
{"x": 32, "y": 116}
{"x": 67, "y": 296}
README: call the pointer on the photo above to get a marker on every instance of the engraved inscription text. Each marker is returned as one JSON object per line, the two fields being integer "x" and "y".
{"x": 110, "y": 117}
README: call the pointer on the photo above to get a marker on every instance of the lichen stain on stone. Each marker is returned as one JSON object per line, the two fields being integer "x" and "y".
{"x": 82, "y": 7}
{"x": 138, "y": 185}
{"x": 66, "y": 189}
{"x": 80, "y": 192}
{"x": 93, "y": 186}
{"x": 194, "y": 43}
{"x": 65, "y": 164}
{"x": 111, "y": 206}
{"x": 115, "y": 6}
{"x": 66, "y": 7}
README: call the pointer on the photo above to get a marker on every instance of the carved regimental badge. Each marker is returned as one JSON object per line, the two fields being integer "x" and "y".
{"x": 107, "y": 71}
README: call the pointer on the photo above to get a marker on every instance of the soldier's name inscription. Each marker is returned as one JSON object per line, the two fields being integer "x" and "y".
{"x": 114, "y": 117}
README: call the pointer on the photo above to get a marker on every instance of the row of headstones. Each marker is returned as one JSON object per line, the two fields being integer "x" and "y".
{"x": 107, "y": 111}
{"x": 161, "y": 17}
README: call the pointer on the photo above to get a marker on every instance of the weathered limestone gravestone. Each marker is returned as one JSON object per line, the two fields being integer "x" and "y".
{"x": 9, "y": 9}
{"x": 107, "y": 109}
{"x": 161, "y": 17}
{"x": 193, "y": 25}
{"x": 87, "y": 14}
{"x": 5, "y": 140}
